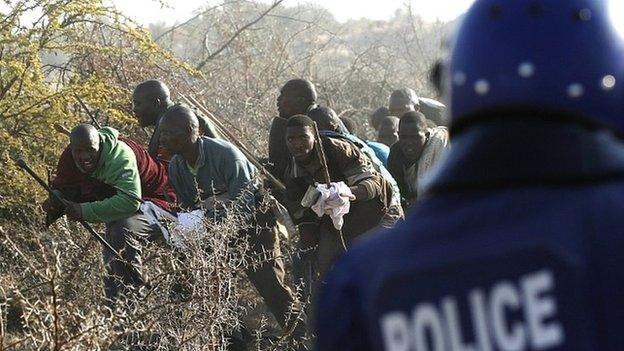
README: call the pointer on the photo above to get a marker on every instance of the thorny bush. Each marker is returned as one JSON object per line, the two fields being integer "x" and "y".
{"x": 56, "y": 55}
{"x": 196, "y": 298}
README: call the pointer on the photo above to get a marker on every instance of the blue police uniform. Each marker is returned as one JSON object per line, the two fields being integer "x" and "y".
{"x": 517, "y": 246}
{"x": 521, "y": 250}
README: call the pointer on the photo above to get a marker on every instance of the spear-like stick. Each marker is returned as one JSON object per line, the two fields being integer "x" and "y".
{"x": 22, "y": 164}
{"x": 193, "y": 102}
{"x": 320, "y": 152}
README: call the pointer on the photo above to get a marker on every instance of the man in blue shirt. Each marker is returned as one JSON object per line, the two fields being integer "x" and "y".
{"x": 204, "y": 169}
{"x": 518, "y": 243}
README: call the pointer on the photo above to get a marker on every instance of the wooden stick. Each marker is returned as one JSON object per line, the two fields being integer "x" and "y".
{"x": 84, "y": 106}
{"x": 23, "y": 165}
{"x": 223, "y": 130}
{"x": 321, "y": 155}
{"x": 323, "y": 160}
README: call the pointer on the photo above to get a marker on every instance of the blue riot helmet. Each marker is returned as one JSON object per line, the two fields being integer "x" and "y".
{"x": 565, "y": 56}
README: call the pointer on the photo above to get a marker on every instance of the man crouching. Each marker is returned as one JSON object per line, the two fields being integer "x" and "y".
{"x": 103, "y": 176}
{"x": 369, "y": 193}
{"x": 203, "y": 169}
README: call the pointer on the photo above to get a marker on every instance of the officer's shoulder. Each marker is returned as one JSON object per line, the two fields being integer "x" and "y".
{"x": 605, "y": 201}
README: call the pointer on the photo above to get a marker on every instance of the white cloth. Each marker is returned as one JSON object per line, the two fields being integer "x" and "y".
{"x": 334, "y": 201}
{"x": 185, "y": 225}
{"x": 189, "y": 226}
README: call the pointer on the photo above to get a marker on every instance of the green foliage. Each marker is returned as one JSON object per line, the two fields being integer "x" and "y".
{"x": 53, "y": 53}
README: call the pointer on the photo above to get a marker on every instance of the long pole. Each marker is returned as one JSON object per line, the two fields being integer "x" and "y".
{"x": 193, "y": 102}
{"x": 84, "y": 106}
{"x": 22, "y": 164}
{"x": 320, "y": 152}
{"x": 323, "y": 160}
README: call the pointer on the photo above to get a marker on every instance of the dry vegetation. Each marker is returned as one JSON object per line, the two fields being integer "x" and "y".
{"x": 233, "y": 55}
{"x": 52, "y": 298}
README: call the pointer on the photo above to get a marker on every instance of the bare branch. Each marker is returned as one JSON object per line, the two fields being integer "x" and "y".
{"x": 238, "y": 32}
{"x": 179, "y": 25}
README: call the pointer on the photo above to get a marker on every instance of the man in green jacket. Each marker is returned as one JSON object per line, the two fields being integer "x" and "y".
{"x": 150, "y": 100}
{"x": 102, "y": 177}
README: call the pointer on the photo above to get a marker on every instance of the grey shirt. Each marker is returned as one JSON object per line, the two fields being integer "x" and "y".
{"x": 220, "y": 168}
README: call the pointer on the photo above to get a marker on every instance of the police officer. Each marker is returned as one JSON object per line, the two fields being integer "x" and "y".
{"x": 518, "y": 246}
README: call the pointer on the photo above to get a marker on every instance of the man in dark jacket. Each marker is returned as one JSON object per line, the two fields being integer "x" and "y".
{"x": 296, "y": 97}
{"x": 150, "y": 100}
{"x": 104, "y": 176}
{"x": 518, "y": 244}
{"x": 345, "y": 163}
{"x": 329, "y": 126}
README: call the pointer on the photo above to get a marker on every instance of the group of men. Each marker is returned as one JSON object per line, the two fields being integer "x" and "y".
{"x": 337, "y": 187}
{"x": 514, "y": 243}
{"x": 515, "y": 240}
{"x": 104, "y": 178}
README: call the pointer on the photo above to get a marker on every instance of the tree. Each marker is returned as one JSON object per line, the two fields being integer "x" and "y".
{"x": 58, "y": 56}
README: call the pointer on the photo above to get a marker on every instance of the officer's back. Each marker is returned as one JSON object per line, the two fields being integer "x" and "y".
{"x": 518, "y": 245}
{"x": 516, "y": 267}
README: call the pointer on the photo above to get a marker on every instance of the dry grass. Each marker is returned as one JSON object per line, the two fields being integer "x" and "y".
{"x": 51, "y": 295}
